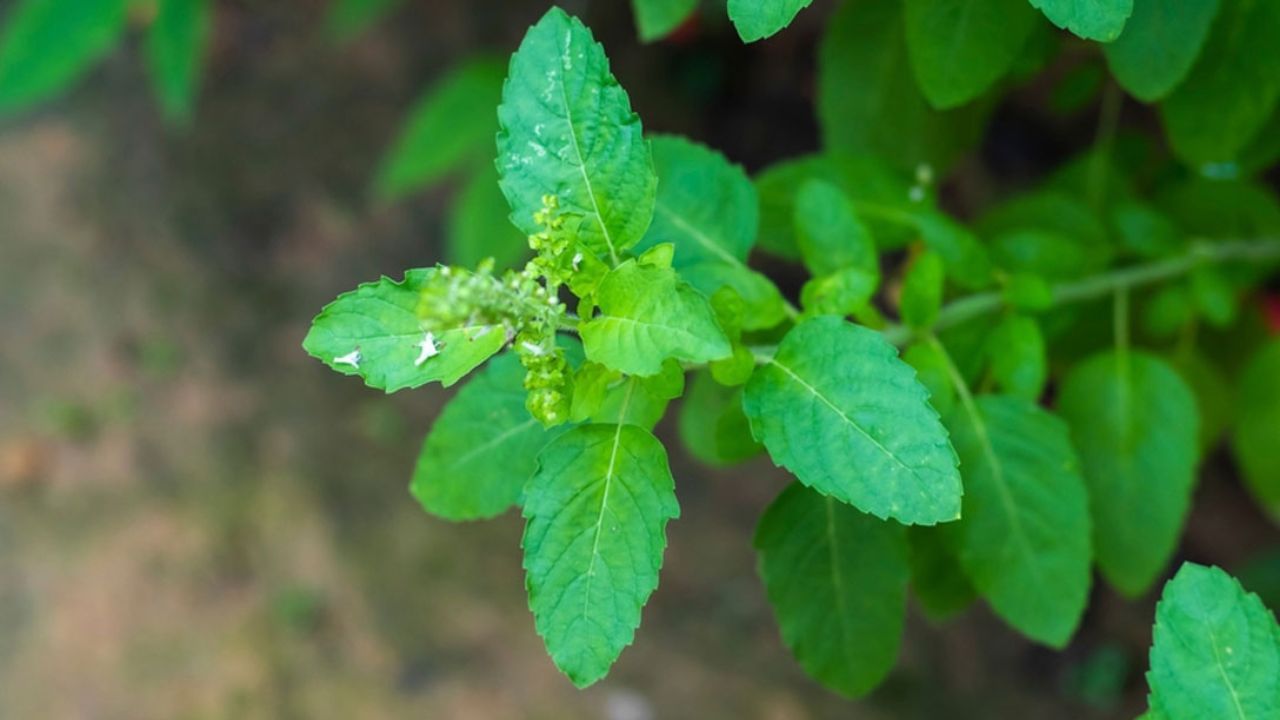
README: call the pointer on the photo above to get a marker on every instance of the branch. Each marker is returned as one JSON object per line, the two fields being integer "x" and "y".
{"x": 1102, "y": 285}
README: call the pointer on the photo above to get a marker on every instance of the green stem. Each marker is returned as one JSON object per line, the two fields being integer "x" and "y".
{"x": 1100, "y": 163}
{"x": 1100, "y": 286}
{"x": 1094, "y": 287}
{"x": 1120, "y": 320}
{"x": 1186, "y": 344}
{"x": 957, "y": 380}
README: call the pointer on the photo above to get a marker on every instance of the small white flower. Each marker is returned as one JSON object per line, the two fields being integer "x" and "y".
{"x": 535, "y": 350}
{"x": 352, "y": 358}
{"x": 429, "y": 349}
{"x": 577, "y": 260}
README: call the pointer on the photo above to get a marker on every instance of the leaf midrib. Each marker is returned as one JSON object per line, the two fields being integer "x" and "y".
{"x": 837, "y": 582}
{"x": 653, "y": 325}
{"x": 577, "y": 149}
{"x": 697, "y": 234}
{"x": 1222, "y": 672}
{"x": 604, "y": 501}
{"x": 1016, "y": 530}
{"x": 848, "y": 420}
{"x": 494, "y": 442}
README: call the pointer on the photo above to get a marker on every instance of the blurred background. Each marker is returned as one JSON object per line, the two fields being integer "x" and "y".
{"x": 199, "y": 521}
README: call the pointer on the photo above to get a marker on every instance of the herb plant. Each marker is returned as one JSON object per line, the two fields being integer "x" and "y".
{"x": 983, "y": 407}
{"x": 969, "y": 410}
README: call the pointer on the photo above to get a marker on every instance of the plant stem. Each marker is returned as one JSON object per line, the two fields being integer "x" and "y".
{"x": 1094, "y": 287}
{"x": 1099, "y": 286}
{"x": 1120, "y": 321}
{"x": 957, "y": 381}
{"x": 1100, "y": 163}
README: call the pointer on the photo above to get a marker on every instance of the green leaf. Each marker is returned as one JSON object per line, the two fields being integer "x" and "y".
{"x": 47, "y": 45}
{"x": 647, "y": 314}
{"x": 477, "y": 225}
{"x": 375, "y": 332}
{"x": 568, "y": 130}
{"x": 655, "y": 19}
{"x": 452, "y": 124}
{"x": 1101, "y": 20}
{"x": 597, "y": 511}
{"x": 1222, "y": 209}
{"x": 1215, "y": 398}
{"x": 865, "y": 48}
{"x": 1215, "y": 650}
{"x": 1215, "y": 296}
{"x": 712, "y": 424}
{"x": 1145, "y": 232}
{"x": 1043, "y": 252}
{"x": 1019, "y": 363}
{"x": 837, "y": 581}
{"x": 604, "y": 395}
{"x": 1168, "y": 311}
{"x": 1028, "y": 292}
{"x": 837, "y": 408}
{"x": 1024, "y": 536}
{"x": 829, "y": 233}
{"x": 962, "y": 253}
{"x": 1159, "y": 44}
{"x": 482, "y": 448}
{"x": 707, "y": 208}
{"x": 960, "y": 48}
{"x": 175, "y": 46}
{"x": 1264, "y": 150}
{"x": 865, "y": 181}
{"x": 922, "y": 291}
{"x": 1256, "y": 436}
{"x": 1113, "y": 168}
{"x": 937, "y": 580}
{"x": 1047, "y": 233}
{"x": 762, "y": 303}
{"x": 1135, "y": 424}
{"x": 932, "y": 371}
{"x": 1230, "y": 93}
{"x": 844, "y": 292}
{"x": 759, "y": 19}
{"x": 965, "y": 346}
{"x": 346, "y": 19}
{"x": 1042, "y": 47}
{"x": 734, "y": 371}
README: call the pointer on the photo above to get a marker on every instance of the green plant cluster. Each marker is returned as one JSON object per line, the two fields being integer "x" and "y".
{"x": 908, "y": 392}
{"x": 981, "y": 410}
